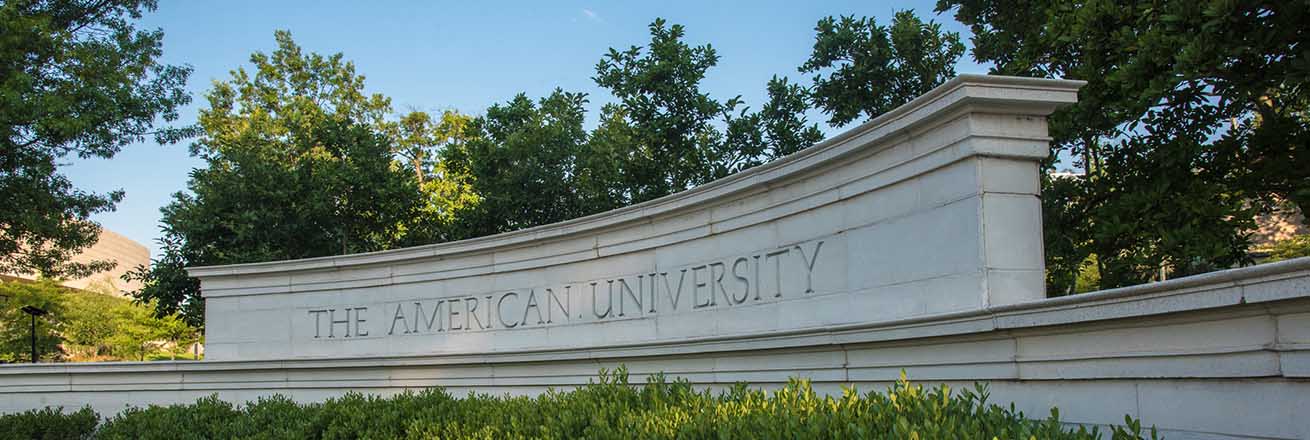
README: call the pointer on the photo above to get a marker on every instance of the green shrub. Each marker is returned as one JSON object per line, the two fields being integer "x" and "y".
{"x": 610, "y": 408}
{"x": 49, "y": 424}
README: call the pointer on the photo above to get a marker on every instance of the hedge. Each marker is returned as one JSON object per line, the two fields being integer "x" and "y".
{"x": 609, "y": 408}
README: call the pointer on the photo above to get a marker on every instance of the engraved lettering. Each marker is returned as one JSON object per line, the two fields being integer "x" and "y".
{"x": 696, "y": 285}
{"x": 669, "y": 291}
{"x": 332, "y": 323}
{"x": 758, "y": 286}
{"x": 452, "y": 313}
{"x": 745, "y": 282}
{"x": 500, "y": 309}
{"x": 624, "y": 289}
{"x": 742, "y": 272}
{"x": 562, "y": 305}
{"x": 653, "y": 299}
{"x": 359, "y": 328}
{"x": 777, "y": 268}
{"x": 317, "y": 325}
{"x": 609, "y": 303}
{"x": 469, "y": 314}
{"x": 809, "y": 265}
{"x": 436, "y": 313}
{"x": 532, "y": 305}
{"x": 718, "y": 280}
{"x": 399, "y": 316}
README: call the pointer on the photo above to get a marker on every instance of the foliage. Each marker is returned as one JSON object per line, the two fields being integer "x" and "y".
{"x": 783, "y": 121}
{"x": 1192, "y": 111}
{"x": 165, "y": 283}
{"x": 672, "y": 119}
{"x": 1295, "y": 247}
{"x": 84, "y": 325}
{"x": 298, "y": 165}
{"x": 49, "y": 424}
{"x": 420, "y": 141}
{"x": 610, "y": 408}
{"x": 522, "y": 163}
{"x": 77, "y": 79}
{"x": 864, "y": 69}
{"x": 16, "y": 326}
{"x": 666, "y": 135}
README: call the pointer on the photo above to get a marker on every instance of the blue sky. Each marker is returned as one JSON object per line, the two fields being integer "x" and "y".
{"x": 463, "y": 55}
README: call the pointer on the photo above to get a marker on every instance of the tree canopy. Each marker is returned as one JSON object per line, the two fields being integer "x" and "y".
{"x": 865, "y": 69}
{"x": 298, "y": 165}
{"x": 77, "y": 79}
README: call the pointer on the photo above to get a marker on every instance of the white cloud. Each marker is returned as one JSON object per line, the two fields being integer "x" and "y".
{"x": 592, "y": 15}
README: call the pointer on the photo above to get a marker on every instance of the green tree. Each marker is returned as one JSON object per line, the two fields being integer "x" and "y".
{"x": 77, "y": 79}
{"x": 673, "y": 136}
{"x": 785, "y": 128}
{"x": 522, "y": 162}
{"x": 298, "y": 165}
{"x": 89, "y": 323}
{"x": 176, "y": 334}
{"x": 16, "y": 326}
{"x": 863, "y": 69}
{"x": 138, "y": 333}
{"x": 1194, "y": 115}
{"x": 420, "y": 141}
{"x": 666, "y": 135}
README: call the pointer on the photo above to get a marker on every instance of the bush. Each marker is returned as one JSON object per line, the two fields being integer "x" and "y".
{"x": 610, "y": 408}
{"x": 49, "y": 424}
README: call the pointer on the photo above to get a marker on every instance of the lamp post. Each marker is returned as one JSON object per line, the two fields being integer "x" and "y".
{"x": 35, "y": 312}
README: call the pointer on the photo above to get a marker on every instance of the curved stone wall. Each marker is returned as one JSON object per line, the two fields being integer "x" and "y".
{"x": 929, "y": 209}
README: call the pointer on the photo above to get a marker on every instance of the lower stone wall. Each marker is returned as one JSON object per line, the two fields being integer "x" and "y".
{"x": 1221, "y": 355}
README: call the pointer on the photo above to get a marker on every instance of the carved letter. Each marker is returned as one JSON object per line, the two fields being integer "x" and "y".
{"x": 625, "y": 289}
{"x": 653, "y": 298}
{"x": 470, "y": 315}
{"x": 723, "y": 270}
{"x": 669, "y": 291}
{"x": 695, "y": 288}
{"x": 609, "y": 306}
{"x": 436, "y": 313}
{"x": 317, "y": 326}
{"x": 399, "y": 317}
{"x": 809, "y": 265}
{"x": 332, "y": 323}
{"x": 500, "y": 309}
{"x": 777, "y": 268}
{"x": 532, "y": 305}
{"x": 359, "y": 329}
{"x": 450, "y": 310}
{"x": 758, "y": 286}
{"x": 563, "y": 306}
{"x": 745, "y": 282}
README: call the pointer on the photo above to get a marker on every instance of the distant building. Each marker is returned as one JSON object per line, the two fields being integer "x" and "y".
{"x": 111, "y": 246}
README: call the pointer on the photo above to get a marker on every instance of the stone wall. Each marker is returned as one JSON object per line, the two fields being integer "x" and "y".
{"x": 1224, "y": 355}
